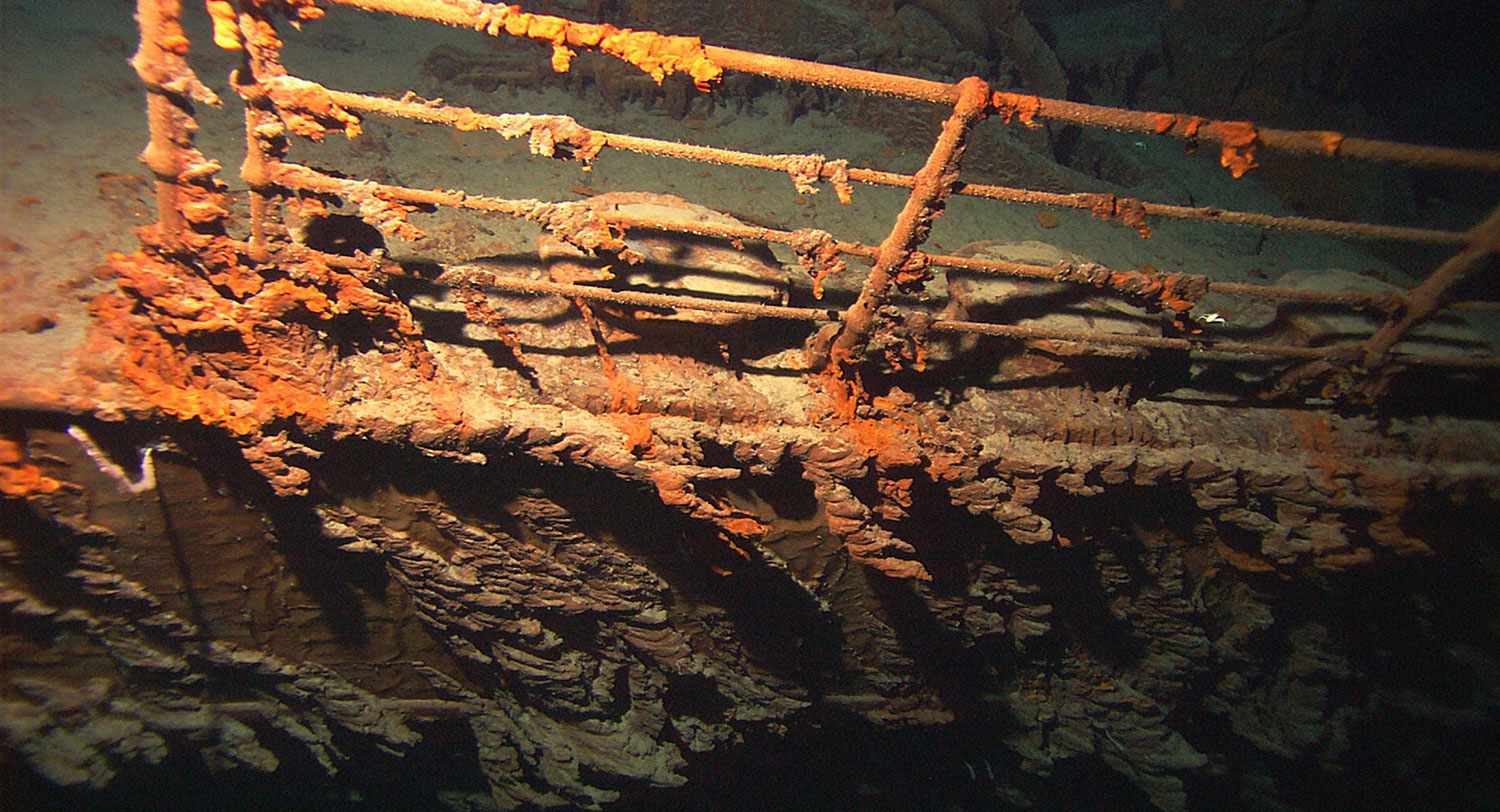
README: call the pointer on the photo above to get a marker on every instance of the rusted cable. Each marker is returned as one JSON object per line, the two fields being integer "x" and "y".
{"x": 465, "y": 118}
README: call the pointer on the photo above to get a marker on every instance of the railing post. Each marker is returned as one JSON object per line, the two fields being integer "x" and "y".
{"x": 171, "y": 88}
{"x": 933, "y": 184}
{"x": 265, "y": 134}
{"x": 1426, "y": 299}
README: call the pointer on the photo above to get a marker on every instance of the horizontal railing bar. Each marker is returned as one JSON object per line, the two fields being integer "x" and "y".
{"x": 462, "y": 275}
{"x": 467, "y": 118}
{"x": 477, "y": 15}
{"x": 295, "y": 176}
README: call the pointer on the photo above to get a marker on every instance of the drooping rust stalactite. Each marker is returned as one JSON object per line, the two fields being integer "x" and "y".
{"x": 659, "y": 55}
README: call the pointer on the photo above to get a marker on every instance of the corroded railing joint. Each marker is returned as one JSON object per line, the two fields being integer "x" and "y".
{"x": 933, "y": 183}
{"x": 1433, "y": 294}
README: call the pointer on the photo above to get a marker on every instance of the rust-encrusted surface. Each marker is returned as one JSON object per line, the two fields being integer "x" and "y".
{"x": 359, "y": 532}
{"x": 341, "y": 531}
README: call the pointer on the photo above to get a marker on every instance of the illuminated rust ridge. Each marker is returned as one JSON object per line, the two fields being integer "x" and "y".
{"x": 373, "y": 540}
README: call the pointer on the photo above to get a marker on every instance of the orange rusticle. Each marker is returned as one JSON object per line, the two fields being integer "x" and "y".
{"x": 1016, "y": 106}
{"x": 18, "y": 477}
{"x": 266, "y": 363}
{"x": 1238, "y": 140}
{"x": 1330, "y": 142}
{"x": 161, "y": 309}
{"x": 1127, "y": 210}
{"x": 637, "y": 431}
{"x": 676, "y": 490}
{"x": 818, "y": 254}
{"x": 889, "y": 438}
{"x": 1172, "y": 291}
{"x": 661, "y": 55}
{"x": 308, "y": 110}
{"x": 296, "y": 11}
{"x": 657, "y": 54}
{"x": 226, "y": 25}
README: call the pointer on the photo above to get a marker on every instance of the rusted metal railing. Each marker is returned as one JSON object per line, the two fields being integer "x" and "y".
{"x": 279, "y": 104}
{"x": 831, "y": 170}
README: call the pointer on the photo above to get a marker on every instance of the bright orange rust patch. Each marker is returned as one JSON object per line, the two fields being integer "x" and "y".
{"x": 637, "y": 430}
{"x": 1016, "y": 107}
{"x": 657, "y": 54}
{"x": 1330, "y": 142}
{"x": 1127, "y": 210}
{"x": 1238, "y": 140}
{"x": 18, "y": 477}
{"x": 891, "y": 439}
{"x": 226, "y": 25}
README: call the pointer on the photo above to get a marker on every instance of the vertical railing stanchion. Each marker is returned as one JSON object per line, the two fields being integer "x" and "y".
{"x": 1426, "y": 299}
{"x": 265, "y": 134}
{"x": 171, "y": 88}
{"x": 933, "y": 184}
{"x": 160, "y": 155}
